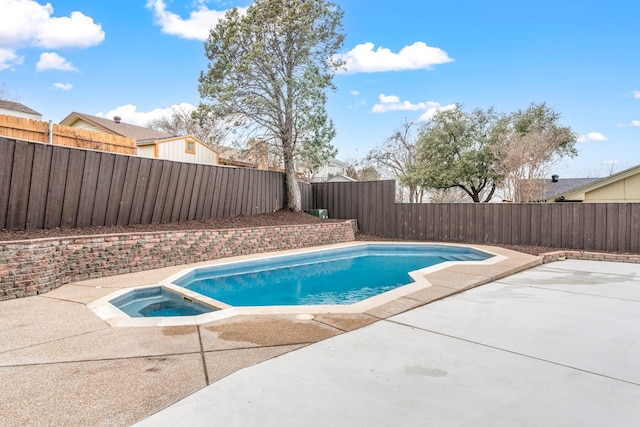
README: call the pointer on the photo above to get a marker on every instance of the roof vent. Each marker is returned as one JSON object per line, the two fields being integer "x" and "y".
{"x": 117, "y": 119}
{"x": 555, "y": 178}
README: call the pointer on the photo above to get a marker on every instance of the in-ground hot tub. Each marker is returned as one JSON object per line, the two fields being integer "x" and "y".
{"x": 158, "y": 301}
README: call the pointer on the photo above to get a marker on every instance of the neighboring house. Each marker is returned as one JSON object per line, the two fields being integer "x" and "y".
{"x": 234, "y": 157}
{"x": 187, "y": 149}
{"x": 557, "y": 186}
{"x": 332, "y": 168}
{"x": 340, "y": 178}
{"x": 150, "y": 142}
{"x": 16, "y": 109}
{"x": 622, "y": 187}
{"x": 115, "y": 127}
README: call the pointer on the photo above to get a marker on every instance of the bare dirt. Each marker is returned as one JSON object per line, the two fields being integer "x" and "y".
{"x": 283, "y": 217}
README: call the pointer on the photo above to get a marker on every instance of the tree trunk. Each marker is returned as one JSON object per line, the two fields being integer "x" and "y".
{"x": 294, "y": 199}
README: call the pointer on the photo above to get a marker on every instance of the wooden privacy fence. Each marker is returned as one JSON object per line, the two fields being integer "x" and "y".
{"x": 45, "y": 186}
{"x": 585, "y": 226}
{"x": 35, "y": 130}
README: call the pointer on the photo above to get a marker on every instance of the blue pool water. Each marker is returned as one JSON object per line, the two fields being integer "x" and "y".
{"x": 337, "y": 276}
{"x": 157, "y": 302}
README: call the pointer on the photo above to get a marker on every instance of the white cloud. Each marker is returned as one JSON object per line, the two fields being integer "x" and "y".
{"x": 9, "y": 58}
{"x": 635, "y": 123}
{"x": 78, "y": 30}
{"x": 364, "y": 59}
{"x": 393, "y": 103}
{"x": 636, "y": 94}
{"x": 196, "y": 27}
{"x": 592, "y": 136}
{"x": 28, "y": 23}
{"x": 63, "y": 86}
{"x": 53, "y": 61}
{"x": 129, "y": 113}
{"x": 354, "y": 93}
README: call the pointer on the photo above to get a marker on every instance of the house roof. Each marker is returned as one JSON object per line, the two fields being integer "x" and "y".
{"x": 597, "y": 183}
{"x": 138, "y": 133}
{"x": 563, "y": 185}
{"x": 341, "y": 178}
{"x": 16, "y": 106}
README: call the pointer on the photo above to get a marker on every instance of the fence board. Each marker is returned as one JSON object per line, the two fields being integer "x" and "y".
{"x": 634, "y": 225}
{"x": 209, "y": 209}
{"x": 101, "y": 202}
{"x": 163, "y": 191}
{"x": 88, "y": 188}
{"x": 198, "y": 189}
{"x": 7, "y": 147}
{"x": 151, "y": 196}
{"x": 140, "y": 191}
{"x": 56, "y": 190}
{"x": 188, "y": 192}
{"x": 39, "y": 186}
{"x": 19, "y": 186}
{"x": 128, "y": 191}
{"x": 116, "y": 189}
{"x": 221, "y": 193}
{"x": 181, "y": 193}
{"x": 172, "y": 193}
{"x": 73, "y": 187}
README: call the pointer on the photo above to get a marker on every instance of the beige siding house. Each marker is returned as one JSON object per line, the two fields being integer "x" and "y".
{"x": 149, "y": 142}
{"x": 180, "y": 148}
{"x": 622, "y": 187}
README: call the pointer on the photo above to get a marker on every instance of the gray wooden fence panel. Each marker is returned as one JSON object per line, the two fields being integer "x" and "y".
{"x": 101, "y": 203}
{"x": 88, "y": 186}
{"x": 139, "y": 193}
{"x": 7, "y": 148}
{"x": 39, "y": 186}
{"x": 151, "y": 195}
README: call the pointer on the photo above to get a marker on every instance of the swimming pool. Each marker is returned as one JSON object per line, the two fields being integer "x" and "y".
{"x": 336, "y": 276}
{"x": 288, "y": 282}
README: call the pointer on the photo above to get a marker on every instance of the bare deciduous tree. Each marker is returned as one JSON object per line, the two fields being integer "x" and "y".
{"x": 528, "y": 150}
{"x": 185, "y": 120}
{"x": 395, "y": 158}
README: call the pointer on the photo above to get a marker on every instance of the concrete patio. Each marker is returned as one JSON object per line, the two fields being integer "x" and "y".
{"x": 557, "y": 345}
{"x": 61, "y": 365}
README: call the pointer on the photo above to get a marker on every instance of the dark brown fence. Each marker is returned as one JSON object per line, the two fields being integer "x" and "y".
{"x": 587, "y": 226}
{"x": 46, "y": 186}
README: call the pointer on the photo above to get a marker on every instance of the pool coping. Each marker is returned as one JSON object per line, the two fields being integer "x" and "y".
{"x": 423, "y": 280}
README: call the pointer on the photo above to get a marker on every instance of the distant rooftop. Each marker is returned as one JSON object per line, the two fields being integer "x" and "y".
{"x": 562, "y": 185}
{"x": 117, "y": 127}
{"x": 16, "y": 106}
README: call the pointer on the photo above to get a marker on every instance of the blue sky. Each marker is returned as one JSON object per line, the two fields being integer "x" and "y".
{"x": 406, "y": 59}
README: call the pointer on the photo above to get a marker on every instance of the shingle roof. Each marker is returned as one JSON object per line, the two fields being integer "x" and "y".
{"x": 563, "y": 185}
{"x": 16, "y": 106}
{"x": 123, "y": 129}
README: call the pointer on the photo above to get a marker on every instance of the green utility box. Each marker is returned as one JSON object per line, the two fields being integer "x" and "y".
{"x": 320, "y": 213}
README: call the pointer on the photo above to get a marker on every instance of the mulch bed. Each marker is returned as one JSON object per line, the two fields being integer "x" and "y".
{"x": 282, "y": 217}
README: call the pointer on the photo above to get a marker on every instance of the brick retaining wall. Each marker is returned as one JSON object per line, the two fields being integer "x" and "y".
{"x": 590, "y": 256}
{"x": 33, "y": 267}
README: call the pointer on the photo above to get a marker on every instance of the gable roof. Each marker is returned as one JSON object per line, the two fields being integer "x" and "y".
{"x": 116, "y": 128}
{"x": 597, "y": 183}
{"x": 16, "y": 106}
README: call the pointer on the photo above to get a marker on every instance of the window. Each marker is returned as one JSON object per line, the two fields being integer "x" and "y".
{"x": 190, "y": 147}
